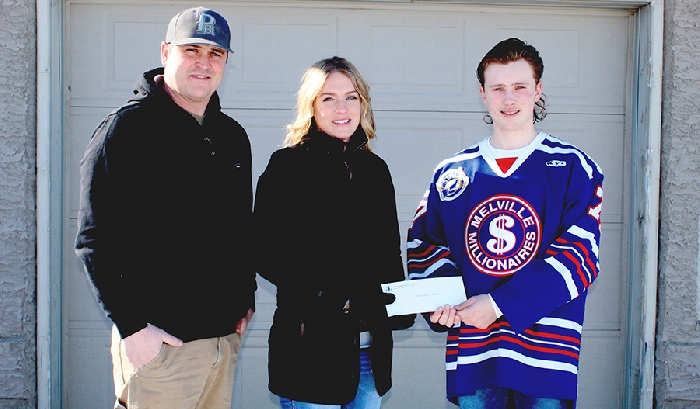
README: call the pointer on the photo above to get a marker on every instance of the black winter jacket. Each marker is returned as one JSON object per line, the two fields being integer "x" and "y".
{"x": 165, "y": 216}
{"x": 326, "y": 216}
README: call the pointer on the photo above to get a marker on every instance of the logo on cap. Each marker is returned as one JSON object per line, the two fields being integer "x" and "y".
{"x": 205, "y": 25}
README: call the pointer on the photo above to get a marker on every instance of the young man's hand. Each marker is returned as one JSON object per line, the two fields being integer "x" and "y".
{"x": 477, "y": 311}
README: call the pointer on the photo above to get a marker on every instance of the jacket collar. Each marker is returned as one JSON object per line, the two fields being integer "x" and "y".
{"x": 149, "y": 86}
{"x": 318, "y": 139}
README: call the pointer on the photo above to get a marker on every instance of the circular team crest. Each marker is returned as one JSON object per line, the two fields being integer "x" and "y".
{"x": 502, "y": 234}
{"x": 451, "y": 184}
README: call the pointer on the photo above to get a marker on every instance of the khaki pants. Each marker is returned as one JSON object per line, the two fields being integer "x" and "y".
{"x": 196, "y": 375}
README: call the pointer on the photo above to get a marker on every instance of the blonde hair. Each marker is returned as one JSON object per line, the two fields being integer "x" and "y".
{"x": 311, "y": 83}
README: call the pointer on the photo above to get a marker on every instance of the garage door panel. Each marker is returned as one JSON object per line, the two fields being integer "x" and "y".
{"x": 407, "y": 59}
{"x": 82, "y": 309}
{"x": 413, "y": 144}
{"x": 265, "y": 304}
{"x": 573, "y": 58}
{"x": 307, "y": 36}
{"x": 432, "y": 62}
{"x": 428, "y": 388}
{"x": 603, "y": 305}
{"x": 600, "y": 385}
{"x": 89, "y": 367}
{"x": 110, "y": 47}
{"x": 129, "y": 51}
{"x": 584, "y": 55}
{"x": 83, "y": 306}
{"x": 272, "y": 48}
{"x": 294, "y": 44}
{"x": 410, "y": 61}
{"x": 250, "y": 386}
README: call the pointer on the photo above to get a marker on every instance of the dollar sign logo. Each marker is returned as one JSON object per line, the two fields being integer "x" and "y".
{"x": 504, "y": 240}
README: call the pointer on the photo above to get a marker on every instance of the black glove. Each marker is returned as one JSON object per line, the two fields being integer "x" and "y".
{"x": 387, "y": 298}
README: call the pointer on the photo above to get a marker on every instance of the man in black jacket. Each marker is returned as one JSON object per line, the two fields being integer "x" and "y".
{"x": 164, "y": 226}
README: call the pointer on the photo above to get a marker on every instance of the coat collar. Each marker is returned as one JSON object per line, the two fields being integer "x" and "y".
{"x": 318, "y": 139}
{"x": 151, "y": 84}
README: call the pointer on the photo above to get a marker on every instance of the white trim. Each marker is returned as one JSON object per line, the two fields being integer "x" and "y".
{"x": 413, "y": 4}
{"x": 651, "y": 210}
{"x": 49, "y": 204}
{"x": 43, "y": 132}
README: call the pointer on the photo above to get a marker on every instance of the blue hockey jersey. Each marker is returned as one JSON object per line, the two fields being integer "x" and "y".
{"x": 529, "y": 237}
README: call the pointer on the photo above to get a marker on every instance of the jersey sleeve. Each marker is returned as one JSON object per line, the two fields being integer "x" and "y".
{"x": 571, "y": 261}
{"x": 427, "y": 251}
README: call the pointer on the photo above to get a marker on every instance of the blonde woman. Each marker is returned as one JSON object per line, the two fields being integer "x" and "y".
{"x": 328, "y": 233}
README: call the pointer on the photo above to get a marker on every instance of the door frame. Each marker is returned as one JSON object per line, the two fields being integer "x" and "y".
{"x": 644, "y": 113}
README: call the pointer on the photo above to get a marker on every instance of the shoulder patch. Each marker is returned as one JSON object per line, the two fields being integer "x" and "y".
{"x": 451, "y": 184}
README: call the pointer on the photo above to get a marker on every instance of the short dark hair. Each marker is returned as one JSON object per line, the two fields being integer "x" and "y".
{"x": 510, "y": 50}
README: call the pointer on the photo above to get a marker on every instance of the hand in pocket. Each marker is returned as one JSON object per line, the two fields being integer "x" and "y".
{"x": 142, "y": 347}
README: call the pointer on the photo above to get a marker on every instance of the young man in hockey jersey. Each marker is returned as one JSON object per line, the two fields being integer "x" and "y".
{"x": 518, "y": 217}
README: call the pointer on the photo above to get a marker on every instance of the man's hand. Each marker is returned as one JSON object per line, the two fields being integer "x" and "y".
{"x": 141, "y": 347}
{"x": 477, "y": 311}
{"x": 243, "y": 323}
{"x": 446, "y": 315}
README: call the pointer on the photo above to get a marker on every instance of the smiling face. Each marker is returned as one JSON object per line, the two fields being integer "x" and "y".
{"x": 337, "y": 107}
{"x": 192, "y": 73}
{"x": 510, "y": 93}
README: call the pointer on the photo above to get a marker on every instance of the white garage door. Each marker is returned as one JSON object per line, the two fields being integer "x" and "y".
{"x": 420, "y": 61}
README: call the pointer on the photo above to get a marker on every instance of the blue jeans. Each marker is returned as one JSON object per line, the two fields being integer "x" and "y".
{"x": 495, "y": 397}
{"x": 366, "y": 398}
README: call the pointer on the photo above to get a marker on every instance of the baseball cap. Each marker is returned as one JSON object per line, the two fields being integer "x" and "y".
{"x": 199, "y": 26}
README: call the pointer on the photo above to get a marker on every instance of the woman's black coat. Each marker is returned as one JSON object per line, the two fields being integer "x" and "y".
{"x": 328, "y": 232}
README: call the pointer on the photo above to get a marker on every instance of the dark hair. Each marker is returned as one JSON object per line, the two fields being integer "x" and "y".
{"x": 510, "y": 50}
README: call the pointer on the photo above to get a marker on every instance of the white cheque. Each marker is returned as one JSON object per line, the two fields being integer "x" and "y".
{"x": 426, "y": 295}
